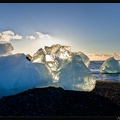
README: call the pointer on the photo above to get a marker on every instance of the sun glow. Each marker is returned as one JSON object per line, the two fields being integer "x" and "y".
{"x": 49, "y": 58}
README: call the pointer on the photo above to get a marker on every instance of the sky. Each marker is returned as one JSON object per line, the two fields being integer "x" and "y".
{"x": 92, "y": 28}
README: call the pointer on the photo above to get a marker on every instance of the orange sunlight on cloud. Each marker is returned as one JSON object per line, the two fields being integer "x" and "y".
{"x": 94, "y": 57}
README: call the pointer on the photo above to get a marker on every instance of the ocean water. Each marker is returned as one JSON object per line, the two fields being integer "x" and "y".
{"x": 94, "y": 67}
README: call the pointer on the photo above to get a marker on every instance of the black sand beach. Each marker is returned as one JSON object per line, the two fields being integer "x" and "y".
{"x": 104, "y": 100}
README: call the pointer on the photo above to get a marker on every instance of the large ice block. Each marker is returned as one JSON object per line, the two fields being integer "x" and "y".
{"x": 110, "y": 66}
{"x": 17, "y": 74}
{"x": 39, "y": 56}
{"x": 84, "y": 57}
{"x": 76, "y": 76}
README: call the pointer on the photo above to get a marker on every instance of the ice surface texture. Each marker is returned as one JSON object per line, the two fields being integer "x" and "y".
{"x": 76, "y": 76}
{"x": 17, "y": 74}
{"x": 64, "y": 69}
{"x": 84, "y": 58}
{"x": 110, "y": 66}
{"x": 39, "y": 56}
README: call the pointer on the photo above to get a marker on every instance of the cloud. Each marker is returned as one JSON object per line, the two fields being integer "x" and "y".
{"x": 90, "y": 55}
{"x": 98, "y": 55}
{"x": 30, "y": 37}
{"x": 104, "y": 56}
{"x": 5, "y": 49}
{"x": 9, "y": 32}
{"x": 41, "y": 35}
{"x": 107, "y": 55}
{"x": 9, "y": 35}
{"x": 17, "y": 37}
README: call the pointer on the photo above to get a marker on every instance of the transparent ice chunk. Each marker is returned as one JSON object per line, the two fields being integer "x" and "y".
{"x": 110, "y": 66}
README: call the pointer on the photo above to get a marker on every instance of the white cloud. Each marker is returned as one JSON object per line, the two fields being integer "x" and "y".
{"x": 41, "y": 35}
{"x": 9, "y": 32}
{"x": 17, "y": 37}
{"x": 30, "y": 37}
{"x": 9, "y": 35}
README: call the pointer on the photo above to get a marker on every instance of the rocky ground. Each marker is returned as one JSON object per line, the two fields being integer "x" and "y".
{"x": 104, "y": 100}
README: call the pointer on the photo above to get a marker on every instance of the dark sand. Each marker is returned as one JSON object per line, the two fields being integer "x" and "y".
{"x": 104, "y": 100}
{"x": 109, "y": 90}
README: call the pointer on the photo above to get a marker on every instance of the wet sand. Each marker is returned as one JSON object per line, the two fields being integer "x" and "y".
{"x": 104, "y": 100}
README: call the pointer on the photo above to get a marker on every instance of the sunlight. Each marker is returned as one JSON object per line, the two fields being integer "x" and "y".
{"x": 48, "y": 58}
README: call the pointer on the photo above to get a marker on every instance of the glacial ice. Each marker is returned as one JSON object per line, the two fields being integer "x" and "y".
{"x": 39, "y": 56}
{"x": 63, "y": 52}
{"x": 63, "y": 56}
{"x": 45, "y": 73}
{"x": 53, "y": 49}
{"x": 5, "y": 49}
{"x": 110, "y": 66}
{"x": 53, "y": 66}
{"x": 17, "y": 74}
{"x": 66, "y": 69}
{"x": 76, "y": 76}
{"x": 84, "y": 57}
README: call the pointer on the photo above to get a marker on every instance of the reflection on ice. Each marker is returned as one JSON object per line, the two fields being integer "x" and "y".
{"x": 55, "y": 66}
{"x": 39, "y": 56}
{"x": 17, "y": 74}
{"x": 76, "y": 76}
{"x": 68, "y": 69}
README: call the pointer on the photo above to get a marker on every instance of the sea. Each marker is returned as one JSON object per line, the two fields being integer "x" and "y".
{"x": 94, "y": 66}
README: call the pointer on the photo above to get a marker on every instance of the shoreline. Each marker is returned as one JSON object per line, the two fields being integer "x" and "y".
{"x": 108, "y": 82}
{"x": 108, "y": 89}
{"x": 104, "y": 100}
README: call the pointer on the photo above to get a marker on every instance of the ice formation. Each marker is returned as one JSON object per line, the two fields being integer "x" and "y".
{"x": 76, "y": 76}
{"x": 5, "y": 49}
{"x": 17, "y": 74}
{"x": 63, "y": 53}
{"x": 66, "y": 69}
{"x": 110, "y": 66}
{"x": 63, "y": 56}
{"x": 84, "y": 57}
{"x": 53, "y": 66}
{"x": 45, "y": 73}
{"x": 53, "y": 49}
{"x": 39, "y": 56}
